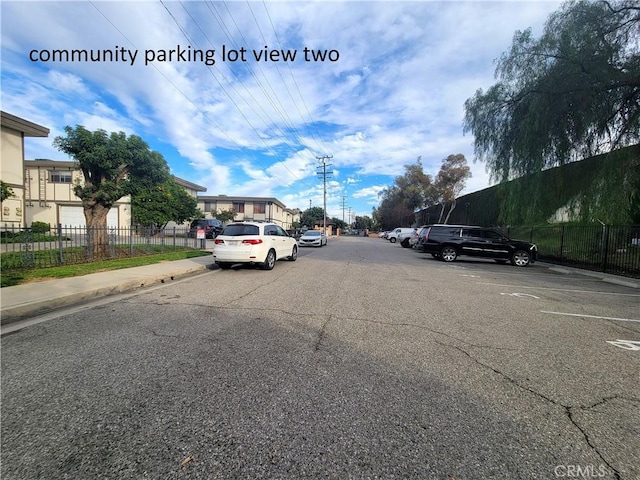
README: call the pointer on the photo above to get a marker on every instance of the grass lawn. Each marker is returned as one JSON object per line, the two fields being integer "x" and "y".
{"x": 16, "y": 277}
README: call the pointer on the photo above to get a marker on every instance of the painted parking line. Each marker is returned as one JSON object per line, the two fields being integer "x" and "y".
{"x": 561, "y": 289}
{"x": 591, "y": 316}
{"x": 520, "y": 295}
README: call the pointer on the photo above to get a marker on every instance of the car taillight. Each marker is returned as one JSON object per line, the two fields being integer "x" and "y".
{"x": 219, "y": 241}
{"x": 255, "y": 241}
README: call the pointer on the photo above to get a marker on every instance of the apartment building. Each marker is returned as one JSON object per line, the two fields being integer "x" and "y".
{"x": 49, "y": 196}
{"x": 43, "y": 189}
{"x": 13, "y": 131}
{"x": 266, "y": 209}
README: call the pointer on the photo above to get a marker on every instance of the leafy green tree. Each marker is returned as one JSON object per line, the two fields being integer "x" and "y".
{"x": 570, "y": 94}
{"x": 157, "y": 205}
{"x": 113, "y": 166}
{"x": 363, "y": 222}
{"x": 410, "y": 191}
{"x": 5, "y": 191}
{"x": 312, "y": 216}
{"x": 224, "y": 215}
{"x": 339, "y": 223}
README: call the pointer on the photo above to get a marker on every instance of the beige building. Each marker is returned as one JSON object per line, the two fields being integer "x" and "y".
{"x": 13, "y": 132}
{"x": 43, "y": 189}
{"x": 266, "y": 209}
{"x": 49, "y": 196}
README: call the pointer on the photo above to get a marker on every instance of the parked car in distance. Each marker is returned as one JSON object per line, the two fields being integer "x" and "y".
{"x": 313, "y": 238}
{"x": 405, "y": 238}
{"x": 422, "y": 231}
{"x": 211, "y": 227}
{"x": 415, "y": 238}
{"x": 392, "y": 236}
{"x": 256, "y": 243}
{"x": 448, "y": 242}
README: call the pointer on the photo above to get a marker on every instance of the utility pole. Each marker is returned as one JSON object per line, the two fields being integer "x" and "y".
{"x": 324, "y": 174}
{"x": 344, "y": 200}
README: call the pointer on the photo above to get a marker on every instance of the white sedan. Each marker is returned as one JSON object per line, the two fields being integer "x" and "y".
{"x": 313, "y": 238}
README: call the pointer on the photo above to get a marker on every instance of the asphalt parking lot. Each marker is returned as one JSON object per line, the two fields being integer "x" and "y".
{"x": 359, "y": 360}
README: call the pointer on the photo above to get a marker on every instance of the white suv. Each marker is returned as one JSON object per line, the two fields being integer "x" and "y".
{"x": 253, "y": 243}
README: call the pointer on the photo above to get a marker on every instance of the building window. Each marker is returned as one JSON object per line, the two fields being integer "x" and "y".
{"x": 259, "y": 207}
{"x": 238, "y": 207}
{"x": 60, "y": 177}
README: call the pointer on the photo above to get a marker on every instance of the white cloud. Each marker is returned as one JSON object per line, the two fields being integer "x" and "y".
{"x": 256, "y": 128}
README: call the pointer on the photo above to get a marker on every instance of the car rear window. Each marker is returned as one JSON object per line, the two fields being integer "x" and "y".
{"x": 238, "y": 230}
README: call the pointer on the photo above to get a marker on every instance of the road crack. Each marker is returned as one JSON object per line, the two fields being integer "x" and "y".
{"x": 322, "y": 334}
{"x": 568, "y": 409}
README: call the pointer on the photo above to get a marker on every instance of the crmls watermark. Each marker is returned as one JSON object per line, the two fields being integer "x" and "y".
{"x": 580, "y": 471}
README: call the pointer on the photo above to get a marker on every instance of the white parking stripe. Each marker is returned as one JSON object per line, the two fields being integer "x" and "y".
{"x": 591, "y": 316}
{"x": 562, "y": 289}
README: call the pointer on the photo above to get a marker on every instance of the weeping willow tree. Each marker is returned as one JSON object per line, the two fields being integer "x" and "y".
{"x": 570, "y": 94}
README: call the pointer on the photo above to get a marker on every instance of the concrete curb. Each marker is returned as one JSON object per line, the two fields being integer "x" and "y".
{"x": 623, "y": 281}
{"x": 32, "y": 308}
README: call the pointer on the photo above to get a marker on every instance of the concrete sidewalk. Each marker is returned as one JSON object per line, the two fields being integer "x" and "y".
{"x": 25, "y": 301}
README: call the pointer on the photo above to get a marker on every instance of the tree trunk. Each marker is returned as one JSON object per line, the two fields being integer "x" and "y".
{"x": 453, "y": 207}
{"x": 97, "y": 235}
{"x": 441, "y": 212}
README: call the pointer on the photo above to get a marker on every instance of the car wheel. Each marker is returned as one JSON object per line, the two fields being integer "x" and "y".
{"x": 520, "y": 258}
{"x": 405, "y": 244}
{"x": 392, "y": 240}
{"x": 448, "y": 254}
{"x": 270, "y": 261}
{"x": 224, "y": 265}
{"x": 294, "y": 254}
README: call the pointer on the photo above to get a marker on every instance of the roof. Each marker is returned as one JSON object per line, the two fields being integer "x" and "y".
{"x": 43, "y": 162}
{"x": 187, "y": 184}
{"x": 241, "y": 199}
{"x": 29, "y": 129}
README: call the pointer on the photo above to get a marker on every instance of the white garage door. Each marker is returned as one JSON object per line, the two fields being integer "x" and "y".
{"x": 74, "y": 217}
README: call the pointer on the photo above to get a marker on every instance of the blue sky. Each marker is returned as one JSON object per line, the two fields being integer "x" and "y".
{"x": 391, "y": 87}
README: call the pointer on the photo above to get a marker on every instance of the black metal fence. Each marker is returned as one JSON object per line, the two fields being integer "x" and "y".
{"x": 34, "y": 248}
{"x": 603, "y": 248}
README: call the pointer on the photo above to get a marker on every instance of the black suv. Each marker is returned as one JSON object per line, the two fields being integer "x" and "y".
{"x": 447, "y": 242}
{"x": 211, "y": 226}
